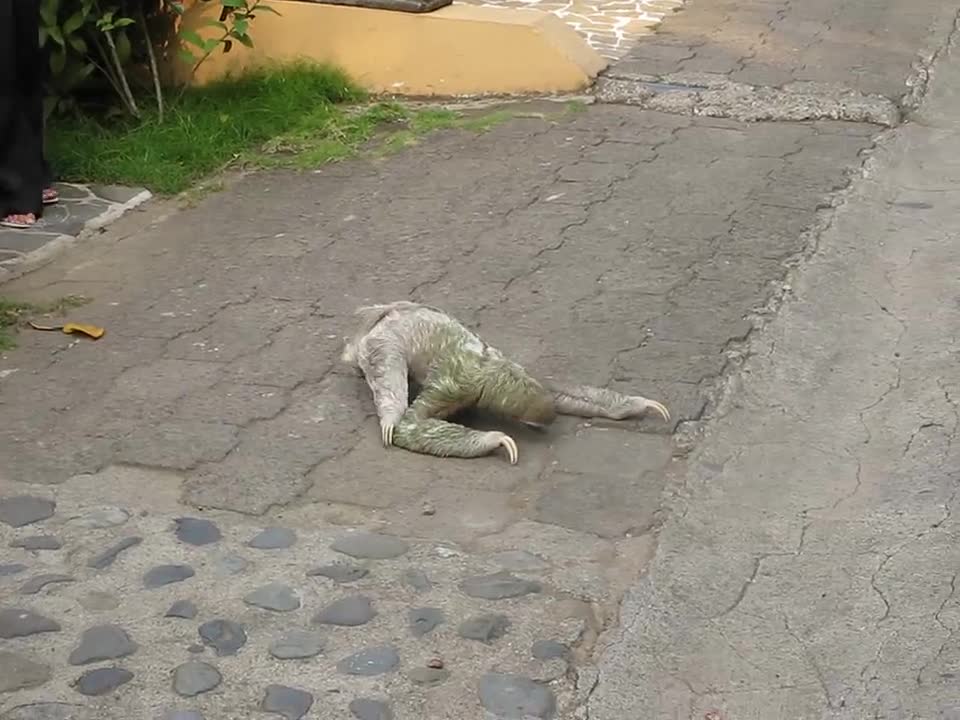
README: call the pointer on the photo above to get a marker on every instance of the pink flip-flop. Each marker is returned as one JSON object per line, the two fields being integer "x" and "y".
{"x": 7, "y": 222}
{"x": 50, "y": 196}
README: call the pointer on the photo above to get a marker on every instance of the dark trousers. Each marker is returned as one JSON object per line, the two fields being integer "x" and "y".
{"x": 23, "y": 169}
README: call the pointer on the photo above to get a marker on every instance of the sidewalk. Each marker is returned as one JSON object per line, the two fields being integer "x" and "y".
{"x": 809, "y": 570}
{"x": 614, "y": 246}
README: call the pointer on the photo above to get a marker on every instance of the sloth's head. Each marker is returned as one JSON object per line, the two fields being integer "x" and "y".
{"x": 509, "y": 391}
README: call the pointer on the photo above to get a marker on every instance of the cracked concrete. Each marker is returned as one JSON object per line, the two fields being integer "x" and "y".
{"x": 808, "y": 565}
{"x": 618, "y": 246}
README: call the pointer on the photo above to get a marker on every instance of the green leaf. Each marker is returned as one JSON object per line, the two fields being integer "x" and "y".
{"x": 190, "y": 36}
{"x": 177, "y": 7}
{"x": 233, "y": 3}
{"x": 48, "y": 12}
{"x": 44, "y": 36}
{"x": 241, "y": 26}
{"x": 50, "y": 105}
{"x": 211, "y": 44}
{"x": 187, "y": 56}
{"x": 216, "y": 24}
{"x": 243, "y": 40}
{"x": 56, "y": 35}
{"x": 73, "y": 23}
{"x": 123, "y": 47}
{"x": 58, "y": 61}
{"x": 79, "y": 44}
{"x": 123, "y": 22}
{"x": 268, "y": 8}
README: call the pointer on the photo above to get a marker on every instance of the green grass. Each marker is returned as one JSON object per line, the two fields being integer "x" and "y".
{"x": 298, "y": 115}
{"x": 13, "y": 314}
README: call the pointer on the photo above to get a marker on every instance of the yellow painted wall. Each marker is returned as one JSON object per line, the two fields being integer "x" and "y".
{"x": 457, "y": 50}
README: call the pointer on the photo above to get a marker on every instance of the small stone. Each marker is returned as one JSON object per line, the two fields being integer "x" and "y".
{"x": 348, "y": 612}
{"x": 498, "y": 586}
{"x": 96, "y": 600}
{"x": 224, "y": 636}
{"x": 38, "y": 583}
{"x": 428, "y": 675}
{"x": 105, "y": 558}
{"x": 232, "y": 564}
{"x": 12, "y": 569}
{"x": 371, "y": 661}
{"x": 183, "y": 715}
{"x": 195, "y": 677}
{"x": 23, "y": 510}
{"x": 366, "y": 709}
{"x": 340, "y": 573}
{"x": 102, "y": 642}
{"x": 370, "y": 545}
{"x": 435, "y": 663}
{"x": 289, "y": 702}
{"x": 484, "y": 628}
{"x": 416, "y": 579}
{"x": 514, "y": 697}
{"x": 20, "y": 672}
{"x": 50, "y": 711}
{"x": 549, "y": 650}
{"x": 275, "y": 596}
{"x": 273, "y": 538}
{"x": 423, "y": 620}
{"x": 298, "y": 644}
{"x": 165, "y": 575}
{"x": 102, "y": 680}
{"x": 196, "y": 531}
{"x": 195, "y": 649}
{"x": 17, "y": 622}
{"x": 520, "y": 561}
{"x": 428, "y": 509}
{"x": 37, "y": 542}
{"x": 182, "y": 609}
{"x": 102, "y": 518}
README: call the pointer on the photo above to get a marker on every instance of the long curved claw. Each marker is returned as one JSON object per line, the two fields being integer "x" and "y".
{"x": 660, "y": 408}
{"x": 386, "y": 434}
{"x": 511, "y": 446}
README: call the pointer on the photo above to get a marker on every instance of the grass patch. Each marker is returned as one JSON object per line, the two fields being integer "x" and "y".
{"x": 298, "y": 115}
{"x": 204, "y": 130}
{"x": 13, "y": 314}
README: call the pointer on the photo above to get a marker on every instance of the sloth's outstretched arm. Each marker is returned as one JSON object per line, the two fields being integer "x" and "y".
{"x": 587, "y": 401}
{"x": 385, "y": 370}
{"x": 432, "y": 436}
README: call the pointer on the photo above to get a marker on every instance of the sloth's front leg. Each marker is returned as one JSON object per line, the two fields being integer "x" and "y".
{"x": 595, "y": 402}
{"x": 432, "y": 436}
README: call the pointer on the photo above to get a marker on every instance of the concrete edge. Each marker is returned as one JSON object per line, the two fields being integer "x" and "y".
{"x": 28, "y": 262}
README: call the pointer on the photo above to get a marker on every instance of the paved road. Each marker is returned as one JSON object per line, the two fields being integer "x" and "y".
{"x": 617, "y": 246}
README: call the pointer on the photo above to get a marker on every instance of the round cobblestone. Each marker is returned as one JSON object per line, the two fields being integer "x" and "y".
{"x": 340, "y": 573}
{"x": 370, "y": 661}
{"x": 195, "y": 677}
{"x": 273, "y": 538}
{"x": 289, "y": 702}
{"x": 165, "y": 575}
{"x": 428, "y": 676}
{"x": 424, "y": 620}
{"x": 19, "y": 622}
{"x": 224, "y": 636}
{"x": 102, "y": 680}
{"x": 185, "y": 609}
{"x": 416, "y": 579}
{"x": 367, "y": 709}
{"x": 298, "y": 644}
{"x": 39, "y": 582}
{"x": 347, "y": 612}
{"x": 12, "y": 569}
{"x": 105, "y": 557}
{"x": 37, "y": 542}
{"x": 102, "y": 642}
{"x": 498, "y": 586}
{"x": 275, "y": 597}
{"x": 485, "y": 628}
{"x": 197, "y": 531}
{"x": 23, "y": 510}
{"x": 373, "y": 546}
{"x": 514, "y": 697}
{"x": 20, "y": 672}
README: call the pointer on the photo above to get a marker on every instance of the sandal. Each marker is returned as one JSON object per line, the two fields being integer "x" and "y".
{"x": 23, "y": 221}
{"x": 50, "y": 196}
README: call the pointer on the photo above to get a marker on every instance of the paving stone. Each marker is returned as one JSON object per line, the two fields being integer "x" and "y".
{"x": 273, "y": 538}
{"x": 416, "y": 579}
{"x": 375, "y": 660}
{"x": 12, "y": 569}
{"x": 101, "y": 518}
{"x": 195, "y": 677}
{"x": 51, "y": 711}
{"x": 183, "y": 715}
{"x": 196, "y": 649}
{"x": 224, "y": 636}
{"x": 348, "y": 612}
{"x": 372, "y": 546}
{"x": 19, "y": 622}
{"x": 549, "y": 650}
{"x": 520, "y": 561}
{"x": 197, "y": 531}
{"x": 20, "y": 672}
{"x": 165, "y": 575}
{"x": 23, "y": 510}
{"x": 105, "y": 558}
{"x": 102, "y": 680}
{"x": 38, "y": 583}
{"x": 185, "y": 609}
{"x": 423, "y": 620}
{"x": 102, "y": 642}
{"x": 367, "y": 709}
{"x": 231, "y": 564}
{"x": 37, "y": 542}
{"x": 97, "y": 601}
{"x": 498, "y": 586}
{"x": 428, "y": 676}
{"x": 275, "y": 596}
{"x": 485, "y": 628}
{"x": 289, "y": 702}
{"x": 513, "y": 697}
{"x": 298, "y": 644}
{"x": 340, "y": 573}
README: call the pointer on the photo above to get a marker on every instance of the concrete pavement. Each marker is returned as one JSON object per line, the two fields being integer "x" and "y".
{"x": 617, "y": 246}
